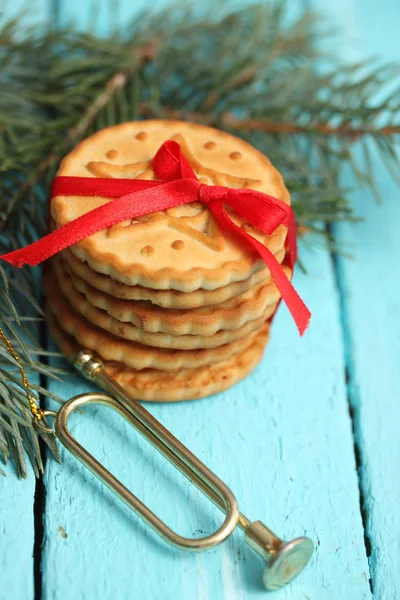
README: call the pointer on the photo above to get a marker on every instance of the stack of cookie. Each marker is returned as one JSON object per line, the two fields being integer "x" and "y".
{"x": 176, "y": 308}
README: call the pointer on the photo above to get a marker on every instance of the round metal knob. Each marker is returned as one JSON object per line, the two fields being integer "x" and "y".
{"x": 287, "y": 562}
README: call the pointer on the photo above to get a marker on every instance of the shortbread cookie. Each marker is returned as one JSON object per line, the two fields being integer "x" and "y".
{"x": 127, "y": 331}
{"x": 207, "y": 321}
{"x": 168, "y": 386}
{"x": 165, "y": 298}
{"x": 181, "y": 248}
{"x": 132, "y": 354}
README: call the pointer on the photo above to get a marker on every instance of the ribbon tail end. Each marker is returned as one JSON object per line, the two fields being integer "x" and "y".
{"x": 16, "y": 261}
{"x": 303, "y": 321}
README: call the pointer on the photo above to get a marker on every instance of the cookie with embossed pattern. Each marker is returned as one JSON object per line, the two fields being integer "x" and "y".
{"x": 181, "y": 248}
{"x": 133, "y": 354}
{"x": 128, "y": 331}
{"x": 204, "y": 321}
{"x": 165, "y": 298}
{"x": 168, "y": 386}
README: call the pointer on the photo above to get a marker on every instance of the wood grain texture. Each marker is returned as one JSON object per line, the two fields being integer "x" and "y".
{"x": 286, "y": 450}
{"x": 281, "y": 439}
{"x": 371, "y": 317}
{"x": 17, "y": 528}
{"x": 104, "y": 16}
{"x": 16, "y": 536}
{"x": 370, "y": 290}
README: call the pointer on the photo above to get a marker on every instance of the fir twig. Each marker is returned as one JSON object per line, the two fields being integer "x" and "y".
{"x": 229, "y": 121}
{"x": 115, "y": 84}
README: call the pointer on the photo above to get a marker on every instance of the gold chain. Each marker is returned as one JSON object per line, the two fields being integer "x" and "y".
{"x": 38, "y": 413}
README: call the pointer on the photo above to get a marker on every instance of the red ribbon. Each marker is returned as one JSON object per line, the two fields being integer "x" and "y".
{"x": 177, "y": 185}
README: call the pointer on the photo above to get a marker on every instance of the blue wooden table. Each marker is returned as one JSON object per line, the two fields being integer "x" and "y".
{"x": 318, "y": 455}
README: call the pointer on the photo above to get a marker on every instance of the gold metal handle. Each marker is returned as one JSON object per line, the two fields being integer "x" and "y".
{"x": 219, "y": 488}
{"x": 284, "y": 560}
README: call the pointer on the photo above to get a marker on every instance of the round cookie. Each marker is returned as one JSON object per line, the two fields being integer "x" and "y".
{"x": 165, "y": 298}
{"x": 207, "y": 321}
{"x": 133, "y": 354}
{"x": 181, "y": 248}
{"x": 127, "y": 331}
{"x": 187, "y": 384}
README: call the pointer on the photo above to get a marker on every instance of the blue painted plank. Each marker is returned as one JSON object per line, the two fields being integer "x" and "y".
{"x": 103, "y": 17}
{"x": 16, "y": 536}
{"x": 371, "y": 313}
{"x": 17, "y": 497}
{"x": 36, "y": 13}
{"x": 281, "y": 439}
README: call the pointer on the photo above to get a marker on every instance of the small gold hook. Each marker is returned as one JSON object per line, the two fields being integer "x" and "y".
{"x": 39, "y": 423}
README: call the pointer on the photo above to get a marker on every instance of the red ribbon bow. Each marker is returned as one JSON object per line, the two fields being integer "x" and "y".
{"x": 177, "y": 185}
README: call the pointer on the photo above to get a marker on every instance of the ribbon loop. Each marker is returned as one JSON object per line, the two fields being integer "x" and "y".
{"x": 177, "y": 185}
{"x": 170, "y": 164}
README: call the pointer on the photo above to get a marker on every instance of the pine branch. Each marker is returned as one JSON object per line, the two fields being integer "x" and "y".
{"x": 229, "y": 121}
{"x": 60, "y": 86}
{"x": 116, "y": 83}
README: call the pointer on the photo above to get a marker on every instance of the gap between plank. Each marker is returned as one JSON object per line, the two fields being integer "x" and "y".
{"x": 39, "y": 503}
{"x": 38, "y": 512}
{"x": 352, "y": 403}
{"x": 54, "y": 13}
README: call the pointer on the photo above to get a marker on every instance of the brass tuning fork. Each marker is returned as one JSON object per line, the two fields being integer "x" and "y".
{"x": 284, "y": 560}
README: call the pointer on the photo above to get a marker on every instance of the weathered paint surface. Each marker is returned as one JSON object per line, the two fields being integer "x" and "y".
{"x": 282, "y": 439}
{"x": 17, "y": 530}
{"x": 370, "y": 292}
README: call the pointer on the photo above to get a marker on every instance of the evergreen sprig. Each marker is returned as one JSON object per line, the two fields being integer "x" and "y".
{"x": 254, "y": 72}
